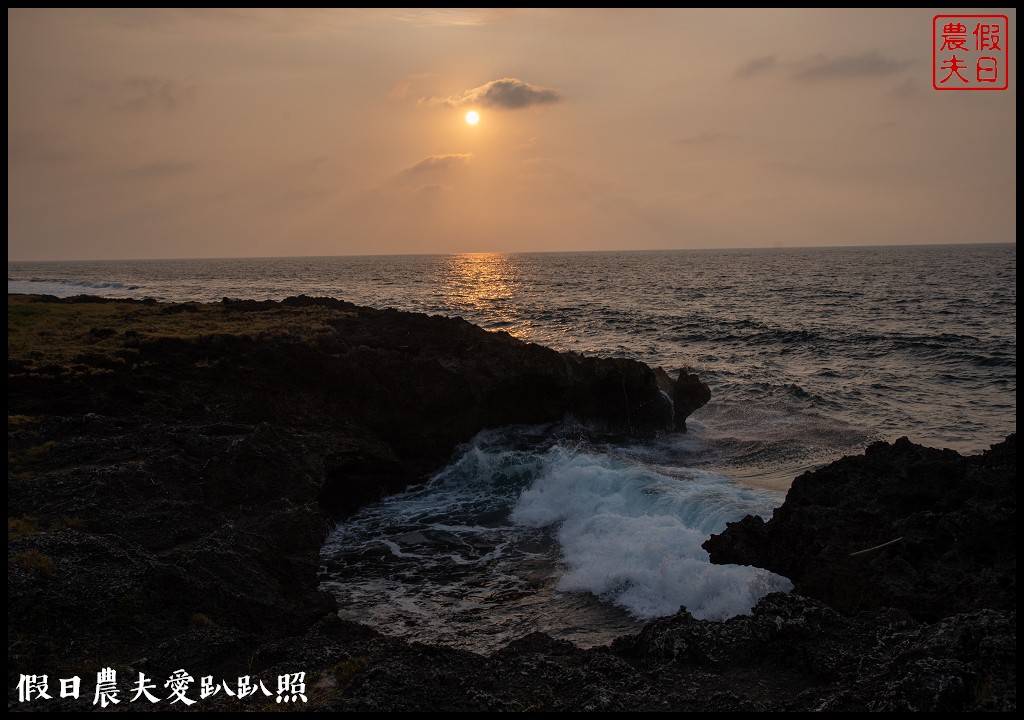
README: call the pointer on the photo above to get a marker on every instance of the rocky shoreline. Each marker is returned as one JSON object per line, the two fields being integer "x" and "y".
{"x": 173, "y": 470}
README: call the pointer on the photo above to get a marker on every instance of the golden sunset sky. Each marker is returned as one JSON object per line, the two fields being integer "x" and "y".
{"x": 227, "y": 133}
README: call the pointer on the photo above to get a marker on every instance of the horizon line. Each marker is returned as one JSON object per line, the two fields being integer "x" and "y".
{"x": 520, "y": 252}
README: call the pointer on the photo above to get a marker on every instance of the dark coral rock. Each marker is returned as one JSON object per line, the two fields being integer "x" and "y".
{"x": 903, "y": 526}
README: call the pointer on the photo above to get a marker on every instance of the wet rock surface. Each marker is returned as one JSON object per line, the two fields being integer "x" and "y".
{"x": 174, "y": 469}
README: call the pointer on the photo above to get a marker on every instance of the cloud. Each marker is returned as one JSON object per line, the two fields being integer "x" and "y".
{"x": 36, "y": 146}
{"x": 217, "y": 22}
{"x": 868, "y": 64}
{"x": 407, "y": 85}
{"x": 906, "y": 89}
{"x": 159, "y": 169}
{"x": 310, "y": 192}
{"x": 459, "y": 17}
{"x": 436, "y": 164}
{"x": 434, "y": 189}
{"x": 504, "y": 94}
{"x": 154, "y": 92}
{"x": 172, "y": 19}
{"x": 432, "y": 173}
{"x": 701, "y": 138}
{"x": 848, "y": 172}
{"x": 755, "y": 66}
{"x": 400, "y": 90}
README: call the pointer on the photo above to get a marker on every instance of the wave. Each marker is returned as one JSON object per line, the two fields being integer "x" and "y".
{"x": 632, "y": 536}
{"x": 576, "y": 541}
{"x": 67, "y": 287}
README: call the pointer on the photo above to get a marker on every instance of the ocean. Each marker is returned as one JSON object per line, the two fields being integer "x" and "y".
{"x": 810, "y": 353}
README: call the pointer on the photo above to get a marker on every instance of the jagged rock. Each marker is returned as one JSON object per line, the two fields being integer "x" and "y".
{"x": 943, "y": 529}
{"x": 176, "y": 470}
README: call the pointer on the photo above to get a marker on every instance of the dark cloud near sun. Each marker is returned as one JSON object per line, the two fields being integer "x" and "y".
{"x": 756, "y": 65}
{"x": 829, "y": 67}
{"x": 504, "y": 94}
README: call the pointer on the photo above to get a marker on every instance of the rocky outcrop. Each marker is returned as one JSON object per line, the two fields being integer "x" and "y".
{"x": 794, "y": 653}
{"x": 174, "y": 469}
{"x": 902, "y": 526}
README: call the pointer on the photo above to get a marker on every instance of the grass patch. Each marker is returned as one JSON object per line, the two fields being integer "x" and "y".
{"x": 18, "y": 421}
{"x": 93, "y": 338}
{"x": 347, "y": 669}
{"x": 71, "y": 523}
{"x": 201, "y": 620}
{"x": 34, "y": 562}
{"x": 30, "y": 455}
{"x": 29, "y": 526}
{"x": 38, "y": 452}
{"x": 23, "y": 527}
{"x": 981, "y": 689}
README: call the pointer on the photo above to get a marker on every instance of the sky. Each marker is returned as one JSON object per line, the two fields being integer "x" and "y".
{"x": 147, "y": 133}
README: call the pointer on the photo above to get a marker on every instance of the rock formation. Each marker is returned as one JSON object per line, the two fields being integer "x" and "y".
{"x": 174, "y": 469}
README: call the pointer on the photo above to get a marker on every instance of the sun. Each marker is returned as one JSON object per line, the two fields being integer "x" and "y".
{"x": 472, "y": 117}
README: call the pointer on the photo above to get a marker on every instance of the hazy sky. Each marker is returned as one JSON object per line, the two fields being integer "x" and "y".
{"x": 220, "y": 133}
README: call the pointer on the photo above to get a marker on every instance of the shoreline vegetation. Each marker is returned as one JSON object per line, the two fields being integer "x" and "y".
{"x": 173, "y": 470}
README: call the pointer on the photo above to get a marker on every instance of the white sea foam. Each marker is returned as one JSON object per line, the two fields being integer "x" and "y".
{"x": 67, "y": 288}
{"x": 632, "y": 536}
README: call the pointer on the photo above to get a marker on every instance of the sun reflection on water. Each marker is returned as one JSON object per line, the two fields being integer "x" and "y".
{"x": 488, "y": 285}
